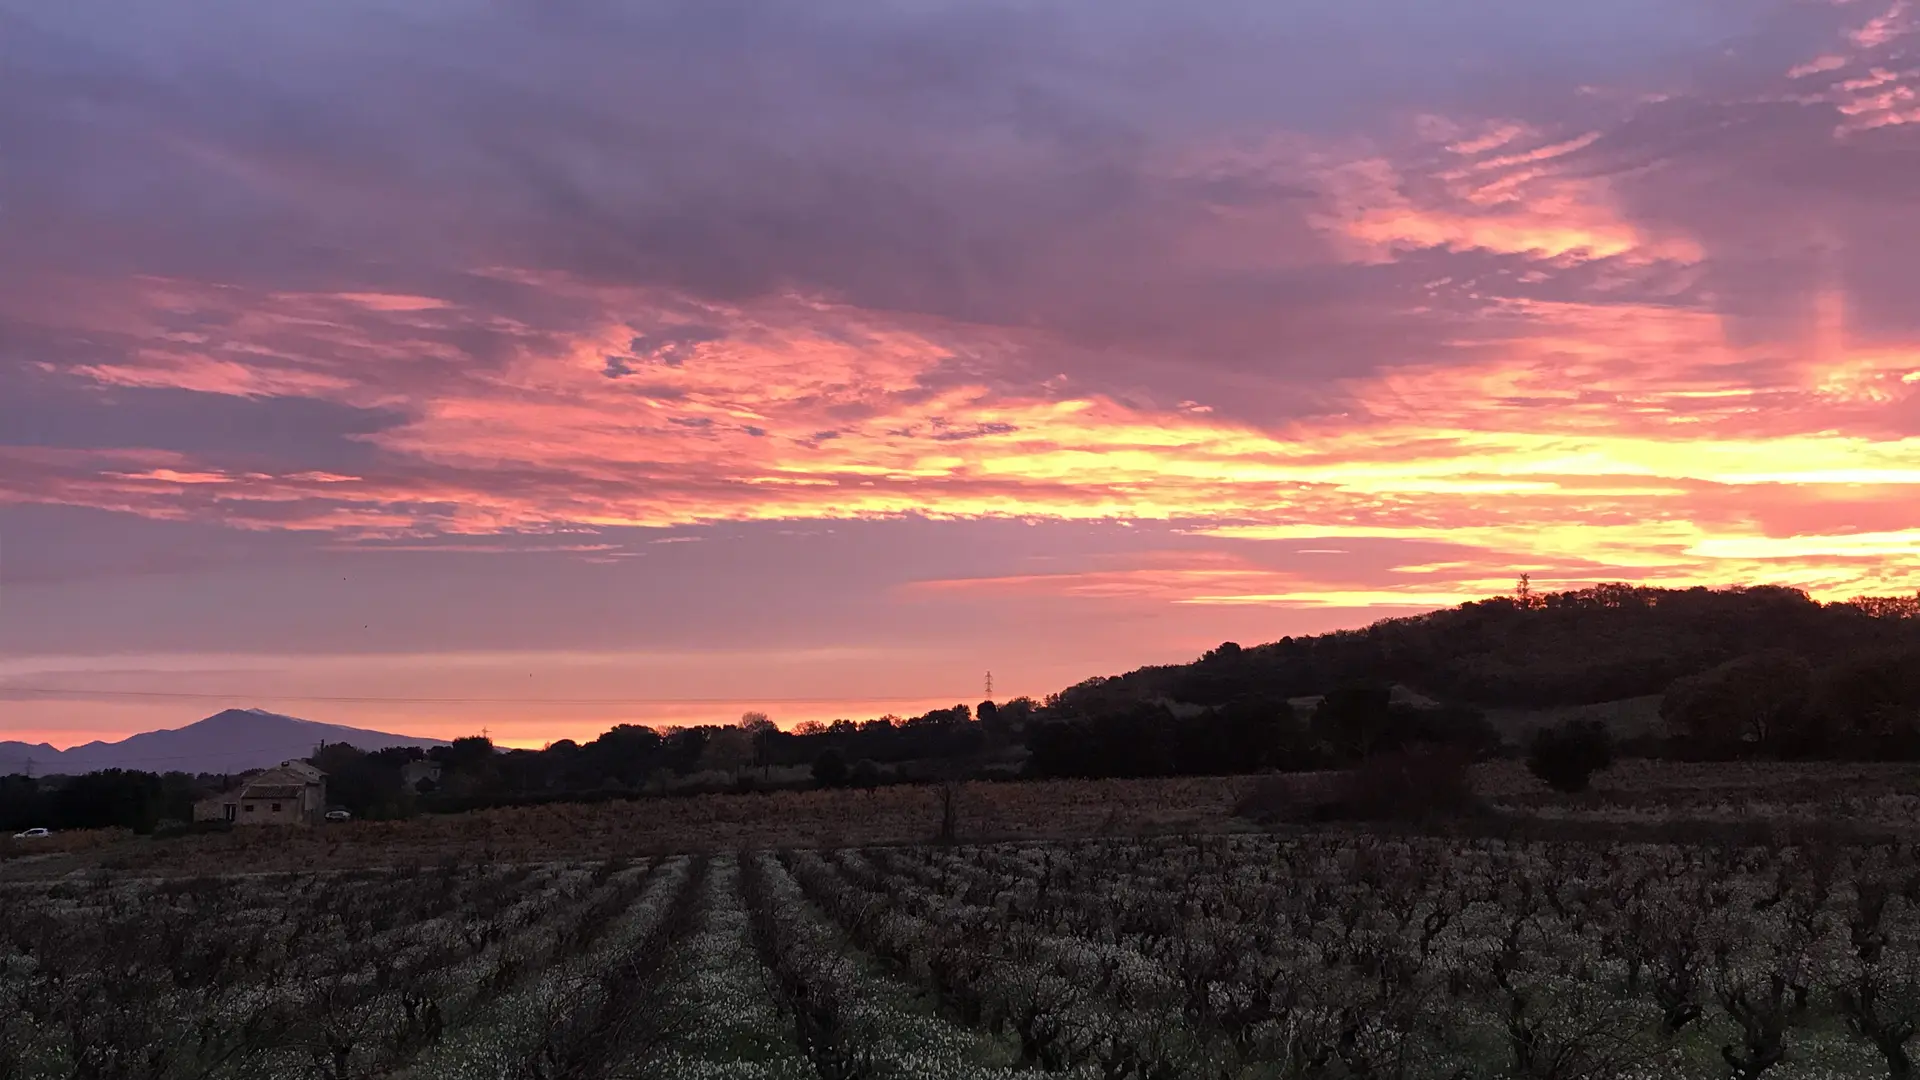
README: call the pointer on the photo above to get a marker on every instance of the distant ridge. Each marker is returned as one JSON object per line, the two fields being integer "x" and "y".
{"x": 226, "y": 742}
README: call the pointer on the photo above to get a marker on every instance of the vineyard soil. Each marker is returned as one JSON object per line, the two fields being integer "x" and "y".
{"x": 1235, "y": 957}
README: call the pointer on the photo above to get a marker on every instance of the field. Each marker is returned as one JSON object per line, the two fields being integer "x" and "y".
{"x": 1221, "y": 957}
{"x": 656, "y": 826}
{"x": 1112, "y": 929}
{"x": 1637, "y": 799}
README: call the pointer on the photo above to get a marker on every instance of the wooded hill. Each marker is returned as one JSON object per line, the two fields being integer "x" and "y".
{"x": 1570, "y": 648}
{"x": 1743, "y": 673}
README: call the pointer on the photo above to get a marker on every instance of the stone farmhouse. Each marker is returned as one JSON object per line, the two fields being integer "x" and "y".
{"x": 414, "y": 772}
{"x": 290, "y": 793}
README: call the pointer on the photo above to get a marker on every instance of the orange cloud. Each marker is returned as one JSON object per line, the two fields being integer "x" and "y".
{"x": 1214, "y": 581}
{"x": 1572, "y": 394}
{"x": 1620, "y": 436}
{"x": 1513, "y": 201}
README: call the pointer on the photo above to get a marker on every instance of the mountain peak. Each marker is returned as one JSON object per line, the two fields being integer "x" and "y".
{"x": 244, "y": 716}
{"x": 232, "y": 740}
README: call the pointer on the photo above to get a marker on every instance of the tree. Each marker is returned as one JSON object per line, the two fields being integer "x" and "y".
{"x": 109, "y": 798}
{"x": 1887, "y": 607}
{"x": 624, "y": 752}
{"x": 1523, "y": 592}
{"x": 761, "y": 731}
{"x": 468, "y": 765}
{"x": 353, "y": 781}
{"x": 830, "y": 768}
{"x": 470, "y": 753}
{"x": 948, "y": 793}
{"x": 1870, "y": 703}
{"x": 1354, "y": 719}
{"x": 1756, "y": 704}
{"x": 1566, "y": 757}
{"x": 1227, "y": 651}
{"x": 23, "y": 804}
{"x": 998, "y": 726}
{"x": 1014, "y": 714}
{"x": 864, "y": 774}
{"x": 728, "y": 750}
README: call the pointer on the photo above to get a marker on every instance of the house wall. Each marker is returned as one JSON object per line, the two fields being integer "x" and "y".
{"x": 304, "y": 808}
{"x": 293, "y": 811}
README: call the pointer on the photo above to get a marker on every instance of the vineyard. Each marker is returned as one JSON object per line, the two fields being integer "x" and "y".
{"x": 1215, "y": 957}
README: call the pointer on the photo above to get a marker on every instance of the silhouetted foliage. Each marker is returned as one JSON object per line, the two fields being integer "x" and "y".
{"x": 864, "y": 774}
{"x": 830, "y": 768}
{"x": 371, "y": 786}
{"x": 1566, "y": 757}
{"x": 1150, "y": 740}
{"x": 1868, "y": 706}
{"x": 1750, "y": 707}
{"x": 1412, "y": 784}
{"x": 110, "y": 798}
{"x": 1742, "y": 673}
{"x": 1569, "y": 648}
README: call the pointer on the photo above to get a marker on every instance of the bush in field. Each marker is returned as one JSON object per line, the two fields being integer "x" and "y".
{"x": 1415, "y": 784}
{"x": 1282, "y": 797}
{"x": 1566, "y": 757}
{"x": 864, "y": 774}
{"x": 830, "y": 768}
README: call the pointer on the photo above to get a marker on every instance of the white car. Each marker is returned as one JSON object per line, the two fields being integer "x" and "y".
{"x": 32, "y": 834}
{"x": 339, "y": 815}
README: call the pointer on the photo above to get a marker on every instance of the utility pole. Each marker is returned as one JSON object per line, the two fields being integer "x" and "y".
{"x": 989, "y": 686}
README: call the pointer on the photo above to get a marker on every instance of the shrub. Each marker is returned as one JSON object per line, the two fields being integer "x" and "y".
{"x": 830, "y": 768}
{"x": 1284, "y": 797}
{"x": 864, "y": 774}
{"x": 1419, "y": 783}
{"x": 1566, "y": 757}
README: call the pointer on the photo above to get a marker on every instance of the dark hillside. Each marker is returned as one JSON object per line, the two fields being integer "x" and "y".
{"x": 1709, "y": 675}
{"x": 1573, "y": 648}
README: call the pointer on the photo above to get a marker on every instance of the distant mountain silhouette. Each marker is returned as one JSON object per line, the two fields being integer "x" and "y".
{"x": 232, "y": 741}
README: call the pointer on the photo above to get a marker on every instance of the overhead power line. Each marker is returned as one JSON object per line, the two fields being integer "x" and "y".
{"x": 378, "y": 700}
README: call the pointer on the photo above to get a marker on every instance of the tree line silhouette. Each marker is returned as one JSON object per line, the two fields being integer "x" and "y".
{"x": 1744, "y": 673}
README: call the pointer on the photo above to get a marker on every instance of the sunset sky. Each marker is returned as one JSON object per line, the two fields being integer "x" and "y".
{"x": 537, "y": 365}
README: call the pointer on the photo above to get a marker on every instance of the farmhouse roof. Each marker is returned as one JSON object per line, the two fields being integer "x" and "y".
{"x": 287, "y": 774}
{"x": 272, "y": 791}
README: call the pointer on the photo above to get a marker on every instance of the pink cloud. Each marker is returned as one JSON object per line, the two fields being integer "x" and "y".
{"x": 1520, "y": 325}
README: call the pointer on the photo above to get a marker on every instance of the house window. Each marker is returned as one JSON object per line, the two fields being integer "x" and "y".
{"x": 276, "y": 808}
{"x": 250, "y": 808}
